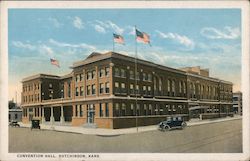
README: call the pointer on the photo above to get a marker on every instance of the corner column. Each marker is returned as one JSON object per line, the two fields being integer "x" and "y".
{"x": 52, "y": 119}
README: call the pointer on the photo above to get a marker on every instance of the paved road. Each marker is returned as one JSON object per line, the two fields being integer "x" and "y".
{"x": 222, "y": 137}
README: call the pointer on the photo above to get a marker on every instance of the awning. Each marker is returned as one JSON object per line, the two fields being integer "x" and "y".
{"x": 198, "y": 107}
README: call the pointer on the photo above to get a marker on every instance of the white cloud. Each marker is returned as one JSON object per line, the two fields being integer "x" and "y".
{"x": 55, "y": 22}
{"x": 182, "y": 39}
{"x": 77, "y": 22}
{"x": 62, "y": 44}
{"x": 108, "y": 25}
{"x": 226, "y": 33}
{"x": 20, "y": 44}
{"x": 100, "y": 29}
{"x": 44, "y": 49}
{"x": 131, "y": 30}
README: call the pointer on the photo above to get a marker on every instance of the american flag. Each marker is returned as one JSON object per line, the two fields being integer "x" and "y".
{"x": 118, "y": 39}
{"x": 55, "y": 62}
{"x": 142, "y": 37}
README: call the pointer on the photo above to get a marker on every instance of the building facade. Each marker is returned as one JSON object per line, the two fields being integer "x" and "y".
{"x": 109, "y": 91}
{"x": 237, "y": 103}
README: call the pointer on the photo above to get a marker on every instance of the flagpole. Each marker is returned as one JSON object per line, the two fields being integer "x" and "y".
{"x": 136, "y": 120}
{"x": 113, "y": 44}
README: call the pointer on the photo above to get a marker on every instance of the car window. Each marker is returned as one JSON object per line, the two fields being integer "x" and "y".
{"x": 169, "y": 119}
{"x": 179, "y": 119}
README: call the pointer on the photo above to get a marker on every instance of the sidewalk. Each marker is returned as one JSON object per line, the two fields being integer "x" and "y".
{"x": 116, "y": 132}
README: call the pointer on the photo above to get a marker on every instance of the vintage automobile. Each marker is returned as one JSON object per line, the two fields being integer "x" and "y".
{"x": 35, "y": 124}
{"x": 172, "y": 123}
{"x": 14, "y": 124}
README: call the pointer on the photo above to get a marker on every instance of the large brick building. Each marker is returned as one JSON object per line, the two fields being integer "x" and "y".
{"x": 104, "y": 90}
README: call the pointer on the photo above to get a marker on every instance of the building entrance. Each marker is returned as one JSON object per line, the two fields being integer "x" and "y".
{"x": 90, "y": 113}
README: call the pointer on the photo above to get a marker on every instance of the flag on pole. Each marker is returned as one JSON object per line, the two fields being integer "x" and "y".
{"x": 55, "y": 62}
{"x": 118, "y": 39}
{"x": 142, "y": 37}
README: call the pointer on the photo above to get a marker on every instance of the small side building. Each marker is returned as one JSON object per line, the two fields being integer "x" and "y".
{"x": 237, "y": 103}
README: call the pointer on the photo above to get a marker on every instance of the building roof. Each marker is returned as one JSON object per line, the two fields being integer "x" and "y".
{"x": 38, "y": 76}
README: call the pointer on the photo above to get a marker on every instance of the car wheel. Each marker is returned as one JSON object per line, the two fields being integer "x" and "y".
{"x": 166, "y": 128}
{"x": 184, "y": 124}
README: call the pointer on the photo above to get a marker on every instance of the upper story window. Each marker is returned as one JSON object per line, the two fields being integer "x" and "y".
{"x": 137, "y": 75}
{"x": 102, "y": 73}
{"x": 160, "y": 84}
{"x": 180, "y": 86}
{"x": 144, "y": 76}
{"x": 101, "y": 88}
{"x": 131, "y": 74}
{"x": 81, "y": 77}
{"x": 93, "y": 89}
{"x": 50, "y": 85}
{"x": 81, "y": 91}
{"x": 123, "y": 73}
{"x": 107, "y": 87}
{"x": 88, "y": 90}
{"x": 117, "y": 72}
{"x": 89, "y": 75}
{"x": 107, "y": 71}
{"x": 150, "y": 77}
{"x": 77, "y": 91}
{"x": 93, "y": 74}
{"x": 173, "y": 86}
{"x": 77, "y": 77}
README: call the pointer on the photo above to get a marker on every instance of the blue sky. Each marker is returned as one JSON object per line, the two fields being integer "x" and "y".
{"x": 210, "y": 38}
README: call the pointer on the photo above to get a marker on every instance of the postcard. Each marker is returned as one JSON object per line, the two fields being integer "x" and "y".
{"x": 125, "y": 80}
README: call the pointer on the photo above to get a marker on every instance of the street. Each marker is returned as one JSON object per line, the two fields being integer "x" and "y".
{"x": 221, "y": 137}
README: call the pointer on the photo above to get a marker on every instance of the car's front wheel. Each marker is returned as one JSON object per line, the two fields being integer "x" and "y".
{"x": 184, "y": 124}
{"x": 166, "y": 128}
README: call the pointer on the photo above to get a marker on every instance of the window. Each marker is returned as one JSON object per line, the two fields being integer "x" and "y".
{"x": 131, "y": 74}
{"x": 160, "y": 84}
{"x": 89, "y": 75}
{"x": 77, "y": 91}
{"x": 138, "y": 109}
{"x": 150, "y": 77}
{"x": 117, "y": 111}
{"x": 123, "y": 88}
{"x": 145, "y": 109}
{"x": 123, "y": 111}
{"x": 88, "y": 90}
{"x": 93, "y": 89}
{"x": 50, "y": 85}
{"x": 93, "y": 74}
{"x": 149, "y": 89}
{"x": 132, "y": 109}
{"x": 107, "y": 87}
{"x": 117, "y": 72}
{"x": 101, "y": 111}
{"x": 173, "y": 87}
{"x": 117, "y": 90}
{"x": 131, "y": 88}
{"x": 101, "y": 88}
{"x": 77, "y": 78}
{"x": 123, "y": 73}
{"x": 76, "y": 110}
{"x": 81, "y": 77}
{"x": 106, "y": 109}
{"x": 107, "y": 71}
{"x": 81, "y": 111}
{"x": 81, "y": 91}
{"x": 150, "y": 109}
{"x": 144, "y": 76}
{"x": 101, "y": 73}
{"x": 137, "y": 75}
{"x": 180, "y": 86}
{"x": 137, "y": 89}
{"x": 144, "y": 89}
{"x": 15, "y": 116}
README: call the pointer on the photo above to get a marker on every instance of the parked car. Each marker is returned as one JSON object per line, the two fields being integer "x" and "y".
{"x": 172, "y": 123}
{"x": 14, "y": 124}
{"x": 35, "y": 124}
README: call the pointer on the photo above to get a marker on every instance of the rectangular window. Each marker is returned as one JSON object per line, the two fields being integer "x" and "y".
{"x": 123, "y": 73}
{"x": 150, "y": 109}
{"x": 144, "y": 76}
{"x": 81, "y": 91}
{"x": 145, "y": 109}
{"x": 106, "y": 109}
{"x": 81, "y": 111}
{"x": 93, "y": 89}
{"x": 101, "y": 88}
{"x": 123, "y": 88}
{"x": 77, "y": 91}
{"x": 144, "y": 90}
{"x": 107, "y": 71}
{"x": 137, "y": 89}
{"x": 138, "y": 109}
{"x": 101, "y": 73}
{"x": 76, "y": 110}
{"x": 107, "y": 87}
{"x": 88, "y": 90}
{"x": 137, "y": 75}
{"x": 117, "y": 72}
{"x": 123, "y": 112}
{"x": 131, "y": 88}
{"x": 81, "y": 77}
{"x": 89, "y": 75}
{"x": 117, "y": 110}
{"x": 131, "y": 74}
{"x": 132, "y": 108}
{"x": 93, "y": 74}
{"x": 150, "y": 77}
{"x": 117, "y": 89}
{"x": 100, "y": 110}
